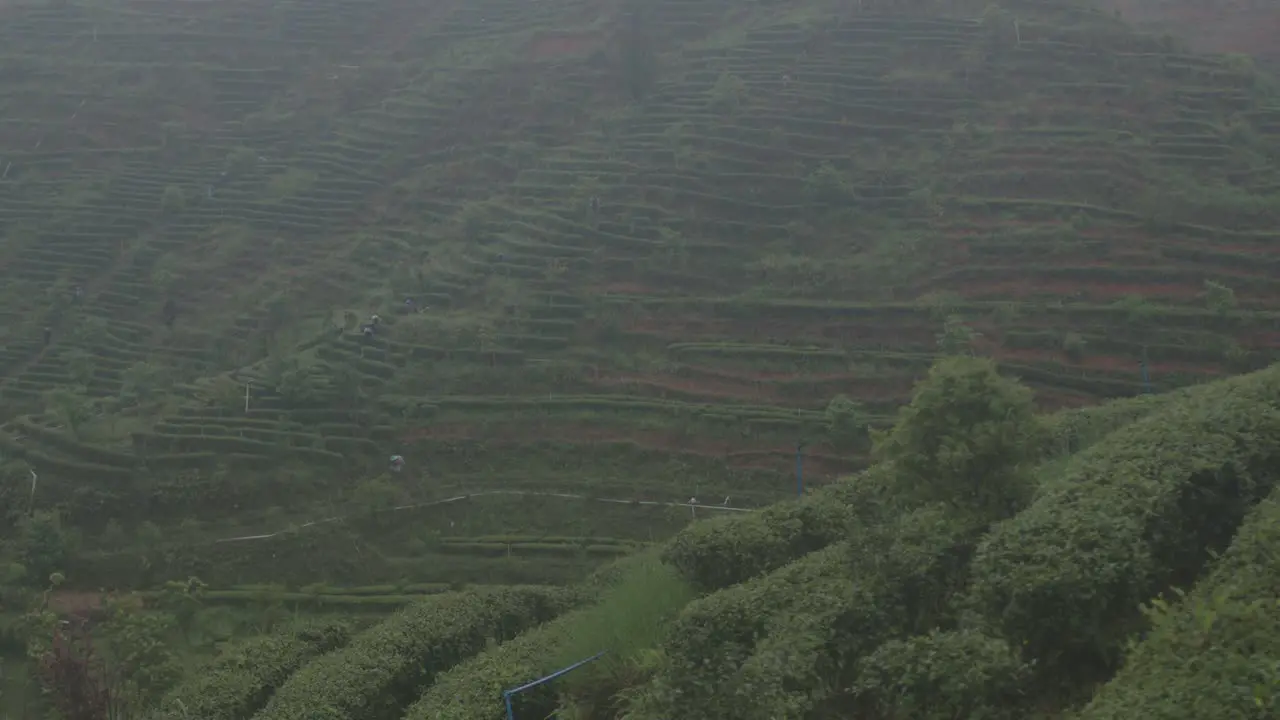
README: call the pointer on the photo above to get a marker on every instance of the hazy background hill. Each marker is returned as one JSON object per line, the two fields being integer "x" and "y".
{"x": 635, "y": 263}
{"x": 1223, "y": 26}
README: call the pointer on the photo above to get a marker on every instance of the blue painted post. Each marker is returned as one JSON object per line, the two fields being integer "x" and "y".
{"x": 799, "y": 469}
{"x": 507, "y": 694}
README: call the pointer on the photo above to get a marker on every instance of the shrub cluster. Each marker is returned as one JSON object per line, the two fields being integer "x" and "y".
{"x": 1071, "y": 431}
{"x": 1215, "y": 654}
{"x": 778, "y": 645}
{"x": 941, "y": 676}
{"x": 241, "y": 680}
{"x": 1135, "y": 513}
{"x": 473, "y": 689}
{"x": 385, "y": 667}
{"x": 968, "y": 437}
{"x": 723, "y": 551}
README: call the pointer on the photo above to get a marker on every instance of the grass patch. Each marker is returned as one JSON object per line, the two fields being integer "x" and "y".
{"x": 628, "y": 625}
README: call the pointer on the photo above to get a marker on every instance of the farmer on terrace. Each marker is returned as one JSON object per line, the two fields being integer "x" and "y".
{"x": 397, "y": 463}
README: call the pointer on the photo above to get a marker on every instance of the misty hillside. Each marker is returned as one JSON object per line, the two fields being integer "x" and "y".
{"x": 338, "y": 304}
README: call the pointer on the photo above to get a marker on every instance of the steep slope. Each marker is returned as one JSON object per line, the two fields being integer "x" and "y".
{"x": 648, "y": 249}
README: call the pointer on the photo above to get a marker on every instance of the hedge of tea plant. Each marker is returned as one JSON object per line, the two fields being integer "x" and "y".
{"x": 943, "y": 675}
{"x": 720, "y": 552}
{"x": 779, "y": 644}
{"x": 1131, "y": 515}
{"x": 241, "y": 680}
{"x": 1213, "y": 652}
{"x": 384, "y": 668}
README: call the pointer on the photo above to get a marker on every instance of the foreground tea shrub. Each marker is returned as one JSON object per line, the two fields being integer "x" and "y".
{"x": 385, "y": 667}
{"x": 942, "y": 676}
{"x": 241, "y": 680}
{"x": 780, "y": 644}
{"x": 717, "y": 553}
{"x": 1133, "y": 514}
{"x": 969, "y": 437}
{"x": 1216, "y": 652}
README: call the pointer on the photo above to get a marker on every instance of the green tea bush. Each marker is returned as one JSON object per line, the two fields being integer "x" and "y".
{"x": 241, "y": 680}
{"x": 717, "y": 553}
{"x": 385, "y": 667}
{"x": 969, "y": 437}
{"x": 1216, "y": 653}
{"x": 1071, "y": 431}
{"x": 779, "y": 644}
{"x": 640, "y": 595}
{"x": 941, "y": 676}
{"x": 1130, "y": 516}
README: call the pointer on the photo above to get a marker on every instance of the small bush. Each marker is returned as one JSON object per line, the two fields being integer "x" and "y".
{"x": 173, "y": 200}
{"x": 1073, "y": 344}
{"x": 942, "y": 676}
{"x": 968, "y": 437}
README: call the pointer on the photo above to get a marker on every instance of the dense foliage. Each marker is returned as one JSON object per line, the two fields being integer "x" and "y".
{"x": 1130, "y": 516}
{"x": 968, "y": 437}
{"x": 1213, "y": 652}
{"x": 784, "y": 643}
{"x": 243, "y": 677}
{"x": 942, "y": 676}
{"x": 724, "y": 551}
{"x": 384, "y": 668}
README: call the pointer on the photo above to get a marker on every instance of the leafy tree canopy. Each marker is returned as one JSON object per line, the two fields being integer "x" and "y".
{"x": 966, "y": 437}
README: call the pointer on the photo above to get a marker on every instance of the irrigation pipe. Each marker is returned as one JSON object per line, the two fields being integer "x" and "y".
{"x": 483, "y": 493}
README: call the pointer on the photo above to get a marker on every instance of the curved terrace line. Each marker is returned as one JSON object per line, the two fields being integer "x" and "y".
{"x": 445, "y": 501}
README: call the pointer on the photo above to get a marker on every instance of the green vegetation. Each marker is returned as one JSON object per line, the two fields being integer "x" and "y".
{"x": 243, "y": 677}
{"x": 810, "y": 360}
{"x": 1228, "y": 623}
{"x": 382, "y": 669}
{"x": 1129, "y": 517}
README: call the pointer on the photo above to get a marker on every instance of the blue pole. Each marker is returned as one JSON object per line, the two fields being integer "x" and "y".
{"x": 507, "y": 694}
{"x": 799, "y": 469}
{"x": 1146, "y": 377}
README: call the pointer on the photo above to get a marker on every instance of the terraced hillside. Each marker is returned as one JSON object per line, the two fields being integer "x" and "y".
{"x": 1151, "y": 532}
{"x": 630, "y": 256}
